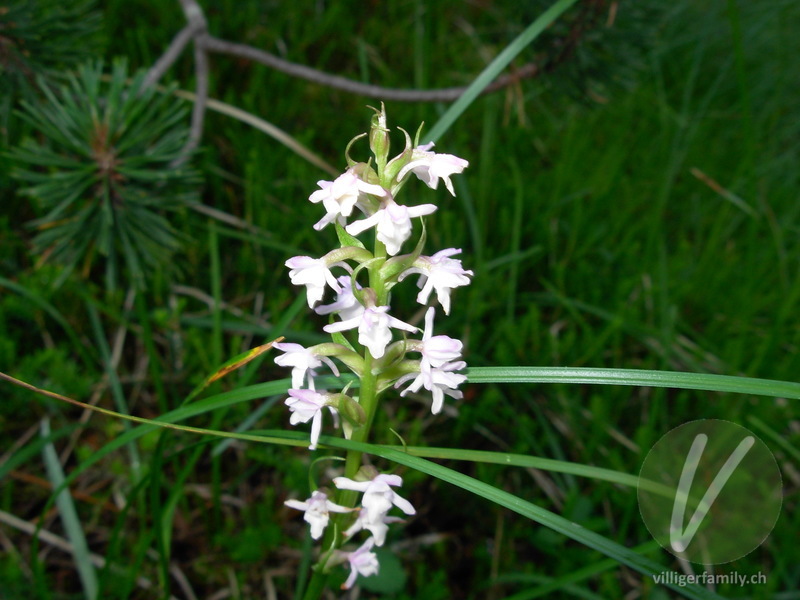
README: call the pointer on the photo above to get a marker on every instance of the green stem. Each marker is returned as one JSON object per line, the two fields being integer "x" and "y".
{"x": 317, "y": 584}
{"x": 376, "y": 282}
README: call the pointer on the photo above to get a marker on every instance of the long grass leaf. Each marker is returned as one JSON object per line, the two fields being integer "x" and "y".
{"x": 666, "y": 379}
{"x": 498, "y": 496}
{"x": 245, "y": 425}
{"x": 69, "y": 517}
{"x": 537, "y": 462}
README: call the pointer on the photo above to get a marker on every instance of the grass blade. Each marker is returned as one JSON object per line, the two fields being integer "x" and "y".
{"x": 69, "y": 517}
{"x": 113, "y": 382}
{"x": 667, "y": 379}
{"x": 538, "y": 462}
{"x": 527, "y": 509}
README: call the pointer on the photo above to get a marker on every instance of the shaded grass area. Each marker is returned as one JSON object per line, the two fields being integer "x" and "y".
{"x": 657, "y": 230}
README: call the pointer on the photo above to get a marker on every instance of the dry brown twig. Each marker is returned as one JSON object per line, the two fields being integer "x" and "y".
{"x": 196, "y": 31}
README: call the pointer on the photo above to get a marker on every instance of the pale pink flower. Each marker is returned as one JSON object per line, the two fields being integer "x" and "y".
{"x": 303, "y": 361}
{"x": 437, "y": 380}
{"x": 376, "y": 524}
{"x": 378, "y": 494}
{"x": 437, "y": 349}
{"x": 392, "y": 223}
{"x": 307, "y": 405}
{"x": 439, "y": 272}
{"x": 341, "y": 195}
{"x": 346, "y": 304}
{"x": 314, "y": 273}
{"x": 430, "y": 167}
{"x": 362, "y": 562}
{"x": 316, "y": 511}
{"x": 373, "y": 328}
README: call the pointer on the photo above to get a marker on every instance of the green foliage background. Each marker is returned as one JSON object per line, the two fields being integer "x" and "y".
{"x": 635, "y": 207}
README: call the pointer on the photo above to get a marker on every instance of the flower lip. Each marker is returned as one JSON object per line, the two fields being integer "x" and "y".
{"x": 377, "y": 525}
{"x": 437, "y": 380}
{"x": 346, "y": 304}
{"x": 438, "y": 349}
{"x": 378, "y": 493}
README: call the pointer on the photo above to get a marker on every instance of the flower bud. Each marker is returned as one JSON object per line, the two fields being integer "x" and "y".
{"x": 379, "y": 138}
{"x": 351, "y": 410}
{"x": 344, "y": 354}
{"x": 364, "y": 473}
{"x": 338, "y": 256}
{"x": 396, "y": 352}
